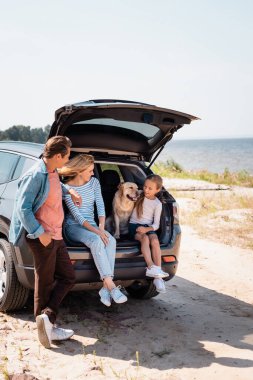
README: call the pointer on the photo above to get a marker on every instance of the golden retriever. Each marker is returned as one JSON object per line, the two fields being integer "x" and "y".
{"x": 122, "y": 205}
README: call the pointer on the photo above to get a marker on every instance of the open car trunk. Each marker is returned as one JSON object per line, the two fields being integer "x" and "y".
{"x": 118, "y": 127}
{"x": 109, "y": 186}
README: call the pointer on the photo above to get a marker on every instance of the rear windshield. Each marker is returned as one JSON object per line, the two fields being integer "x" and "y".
{"x": 146, "y": 130}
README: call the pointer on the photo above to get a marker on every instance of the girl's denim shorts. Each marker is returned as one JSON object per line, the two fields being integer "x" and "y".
{"x": 133, "y": 227}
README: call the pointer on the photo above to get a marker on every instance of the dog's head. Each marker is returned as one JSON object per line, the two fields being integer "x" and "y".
{"x": 129, "y": 190}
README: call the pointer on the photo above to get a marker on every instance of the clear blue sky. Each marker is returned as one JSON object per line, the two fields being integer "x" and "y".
{"x": 194, "y": 56}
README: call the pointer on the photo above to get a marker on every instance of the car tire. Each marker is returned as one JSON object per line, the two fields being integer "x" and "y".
{"x": 13, "y": 295}
{"x": 142, "y": 291}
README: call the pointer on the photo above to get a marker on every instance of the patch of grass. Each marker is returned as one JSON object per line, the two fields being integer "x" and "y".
{"x": 97, "y": 366}
{"x": 101, "y": 338}
{"x": 137, "y": 359}
{"x": 116, "y": 374}
{"x": 5, "y": 373}
{"x": 171, "y": 169}
{"x": 250, "y": 246}
{"x": 20, "y": 353}
{"x": 219, "y": 216}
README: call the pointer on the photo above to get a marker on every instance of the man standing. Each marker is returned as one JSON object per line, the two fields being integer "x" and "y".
{"x": 38, "y": 211}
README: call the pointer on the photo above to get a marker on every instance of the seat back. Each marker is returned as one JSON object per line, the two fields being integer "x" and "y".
{"x": 109, "y": 181}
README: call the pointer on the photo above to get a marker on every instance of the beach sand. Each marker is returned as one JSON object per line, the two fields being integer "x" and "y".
{"x": 200, "y": 329}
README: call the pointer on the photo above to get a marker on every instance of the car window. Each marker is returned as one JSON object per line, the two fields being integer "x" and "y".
{"x": 23, "y": 165}
{"x": 112, "y": 167}
{"x": 127, "y": 173}
{"x": 147, "y": 130}
{"x": 29, "y": 162}
{"x": 8, "y": 163}
{"x": 133, "y": 174}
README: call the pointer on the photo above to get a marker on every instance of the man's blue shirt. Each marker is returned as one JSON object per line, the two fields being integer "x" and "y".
{"x": 33, "y": 189}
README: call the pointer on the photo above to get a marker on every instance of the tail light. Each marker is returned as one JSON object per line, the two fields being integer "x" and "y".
{"x": 168, "y": 259}
{"x": 176, "y": 212}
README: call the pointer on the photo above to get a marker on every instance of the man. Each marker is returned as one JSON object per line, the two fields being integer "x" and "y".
{"x": 38, "y": 211}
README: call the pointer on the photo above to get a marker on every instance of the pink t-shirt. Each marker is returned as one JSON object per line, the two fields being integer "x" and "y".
{"x": 50, "y": 215}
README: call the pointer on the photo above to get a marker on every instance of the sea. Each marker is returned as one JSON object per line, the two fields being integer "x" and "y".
{"x": 214, "y": 155}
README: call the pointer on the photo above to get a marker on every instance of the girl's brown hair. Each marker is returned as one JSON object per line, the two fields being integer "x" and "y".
{"x": 139, "y": 203}
{"x": 75, "y": 166}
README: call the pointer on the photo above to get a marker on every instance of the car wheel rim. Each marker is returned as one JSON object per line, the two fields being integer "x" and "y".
{"x": 3, "y": 275}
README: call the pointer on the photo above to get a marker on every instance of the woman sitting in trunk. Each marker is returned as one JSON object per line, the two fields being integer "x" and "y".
{"x": 80, "y": 225}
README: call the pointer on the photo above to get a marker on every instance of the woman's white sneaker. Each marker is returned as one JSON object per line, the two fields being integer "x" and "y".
{"x": 105, "y": 296}
{"x": 117, "y": 295}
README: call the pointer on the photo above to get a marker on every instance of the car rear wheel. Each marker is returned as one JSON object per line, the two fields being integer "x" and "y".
{"x": 13, "y": 295}
{"x": 142, "y": 291}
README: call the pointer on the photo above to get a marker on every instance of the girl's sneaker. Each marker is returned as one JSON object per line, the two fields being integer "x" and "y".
{"x": 162, "y": 273}
{"x": 155, "y": 272}
{"x": 160, "y": 285}
{"x": 117, "y": 295}
{"x": 105, "y": 296}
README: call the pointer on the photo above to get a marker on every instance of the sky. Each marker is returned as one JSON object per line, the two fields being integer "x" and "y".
{"x": 193, "y": 56}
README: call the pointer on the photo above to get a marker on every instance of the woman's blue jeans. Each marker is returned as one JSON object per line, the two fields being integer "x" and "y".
{"x": 103, "y": 255}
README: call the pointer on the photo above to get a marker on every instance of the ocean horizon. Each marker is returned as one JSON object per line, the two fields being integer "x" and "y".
{"x": 214, "y": 155}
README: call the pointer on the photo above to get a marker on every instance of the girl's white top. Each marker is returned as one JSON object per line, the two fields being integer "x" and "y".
{"x": 152, "y": 209}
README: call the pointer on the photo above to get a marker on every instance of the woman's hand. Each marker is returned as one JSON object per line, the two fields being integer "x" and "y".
{"x": 103, "y": 235}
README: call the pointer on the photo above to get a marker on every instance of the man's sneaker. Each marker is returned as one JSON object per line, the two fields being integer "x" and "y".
{"x": 44, "y": 330}
{"x": 61, "y": 334}
{"x": 117, "y": 295}
{"x": 105, "y": 296}
{"x": 160, "y": 285}
{"x": 155, "y": 272}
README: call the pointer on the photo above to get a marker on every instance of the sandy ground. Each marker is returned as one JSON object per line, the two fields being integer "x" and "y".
{"x": 200, "y": 329}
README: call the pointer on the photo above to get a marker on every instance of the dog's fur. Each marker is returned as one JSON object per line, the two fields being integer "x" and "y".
{"x": 123, "y": 204}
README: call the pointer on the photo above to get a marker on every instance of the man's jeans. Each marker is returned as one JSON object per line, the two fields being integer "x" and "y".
{"x": 104, "y": 256}
{"x": 54, "y": 276}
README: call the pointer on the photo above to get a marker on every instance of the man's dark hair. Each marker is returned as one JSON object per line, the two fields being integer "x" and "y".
{"x": 56, "y": 145}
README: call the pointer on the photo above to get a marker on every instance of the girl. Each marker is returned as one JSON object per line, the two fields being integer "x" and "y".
{"x": 144, "y": 221}
{"x": 80, "y": 224}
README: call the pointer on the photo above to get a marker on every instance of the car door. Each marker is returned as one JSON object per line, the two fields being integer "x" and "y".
{"x": 22, "y": 165}
{"x": 8, "y": 163}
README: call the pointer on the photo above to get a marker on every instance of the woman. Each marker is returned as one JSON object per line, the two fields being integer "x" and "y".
{"x": 80, "y": 225}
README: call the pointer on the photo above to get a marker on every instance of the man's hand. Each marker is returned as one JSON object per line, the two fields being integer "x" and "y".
{"x": 76, "y": 198}
{"x": 45, "y": 239}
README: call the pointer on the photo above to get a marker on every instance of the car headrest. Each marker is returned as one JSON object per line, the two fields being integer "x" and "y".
{"x": 110, "y": 178}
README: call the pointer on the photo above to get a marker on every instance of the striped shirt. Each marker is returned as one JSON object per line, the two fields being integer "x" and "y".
{"x": 91, "y": 194}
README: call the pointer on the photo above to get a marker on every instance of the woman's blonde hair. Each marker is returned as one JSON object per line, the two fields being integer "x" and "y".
{"x": 75, "y": 166}
{"x": 139, "y": 203}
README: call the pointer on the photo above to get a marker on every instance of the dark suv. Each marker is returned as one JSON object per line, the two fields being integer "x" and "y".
{"x": 123, "y": 137}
